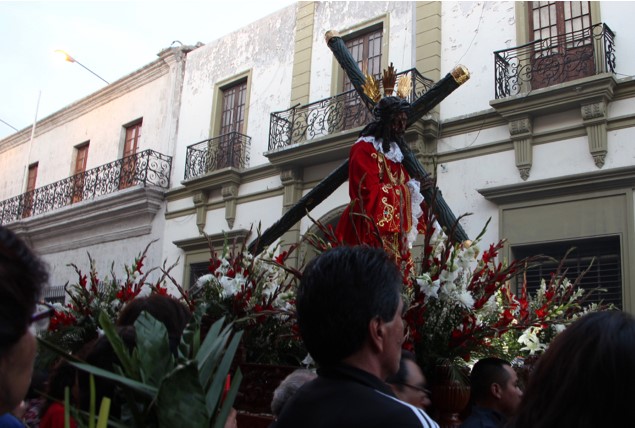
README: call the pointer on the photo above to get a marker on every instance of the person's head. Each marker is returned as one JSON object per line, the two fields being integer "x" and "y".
{"x": 172, "y": 313}
{"x": 22, "y": 276}
{"x": 409, "y": 383}
{"x": 391, "y": 114}
{"x": 349, "y": 302}
{"x": 62, "y": 376}
{"x": 288, "y": 388}
{"x": 586, "y": 377}
{"x": 494, "y": 384}
{"x": 101, "y": 354}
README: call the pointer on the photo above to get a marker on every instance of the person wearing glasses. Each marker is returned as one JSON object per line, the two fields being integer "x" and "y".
{"x": 22, "y": 277}
{"x": 409, "y": 383}
{"x": 350, "y": 310}
{"x": 494, "y": 394}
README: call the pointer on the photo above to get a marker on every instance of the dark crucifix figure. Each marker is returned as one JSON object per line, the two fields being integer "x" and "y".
{"x": 326, "y": 187}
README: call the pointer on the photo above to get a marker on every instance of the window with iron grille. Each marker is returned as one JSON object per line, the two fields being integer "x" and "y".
{"x": 366, "y": 50}
{"x": 30, "y": 187}
{"x": 566, "y": 51}
{"x": 129, "y": 161}
{"x": 230, "y": 146}
{"x": 605, "y": 271}
{"x": 81, "y": 157}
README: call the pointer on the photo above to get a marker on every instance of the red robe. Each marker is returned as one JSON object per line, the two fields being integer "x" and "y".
{"x": 382, "y": 190}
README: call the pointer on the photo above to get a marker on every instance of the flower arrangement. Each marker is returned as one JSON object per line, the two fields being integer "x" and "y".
{"x": 258, "y": 295}
{"x": 536, "y": 318}
{"x": 75, "y": 323}
{"x": 461, "y": 306}
{"x": 453, "y": 311}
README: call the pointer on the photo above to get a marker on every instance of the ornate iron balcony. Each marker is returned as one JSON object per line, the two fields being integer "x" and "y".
{"x": 554, "y": 60}
{"x": 228, "y": 150}
{"x": 147, "y": 168}
{"x": 327, "y": 116}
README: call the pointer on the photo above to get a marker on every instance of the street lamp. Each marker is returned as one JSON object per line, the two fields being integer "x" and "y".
{"x": 69, "y": 58}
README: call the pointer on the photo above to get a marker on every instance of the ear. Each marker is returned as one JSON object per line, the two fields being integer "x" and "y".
{"x": 496, "y": 390}
{"x": 376, "y": 334}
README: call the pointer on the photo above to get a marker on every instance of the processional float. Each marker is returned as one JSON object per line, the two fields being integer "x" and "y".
{"x": 419, "y": 107}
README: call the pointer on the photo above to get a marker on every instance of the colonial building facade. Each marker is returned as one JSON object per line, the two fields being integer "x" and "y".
{"x": 538, "y": 140}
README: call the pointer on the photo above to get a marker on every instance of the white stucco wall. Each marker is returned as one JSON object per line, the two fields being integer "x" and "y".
{"x": 347, "y": 16}
{"x": 471, "y": 32}
{"x": 265, "y": 48}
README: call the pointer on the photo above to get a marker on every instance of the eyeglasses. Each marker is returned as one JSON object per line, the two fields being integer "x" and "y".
{"x": 40, "y": 319}
{"x": 417, "y": 388}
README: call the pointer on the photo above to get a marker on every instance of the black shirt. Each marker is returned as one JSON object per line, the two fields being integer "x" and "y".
{"x": 346, "y": 397}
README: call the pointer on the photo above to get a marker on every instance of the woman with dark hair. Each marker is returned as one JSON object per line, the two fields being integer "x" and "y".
{"x": 22, "y": 276}
{"x": 586, "y": 378}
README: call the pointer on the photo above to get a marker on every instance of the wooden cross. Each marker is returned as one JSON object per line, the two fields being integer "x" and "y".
{"x": 326, "y": 187}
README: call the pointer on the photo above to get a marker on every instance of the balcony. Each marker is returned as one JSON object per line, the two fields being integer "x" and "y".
{"x": 147, "y": 168}
{"x": 321, "y": 118}
{"x": 554, "y": 60}
{"x": 228, "y": 150}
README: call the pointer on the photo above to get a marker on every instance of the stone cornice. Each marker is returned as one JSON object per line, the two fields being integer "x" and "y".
{"x": 217, "y": 240}
{"x": 557, "y": 97}
{"x": 562, "y": 186}
{"x": 119, "y": 215}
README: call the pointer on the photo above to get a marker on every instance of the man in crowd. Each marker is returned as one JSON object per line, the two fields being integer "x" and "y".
{"x": 409, "y": 383}
{"x": 495, "y": 394}
{"x": 349, "y": 313}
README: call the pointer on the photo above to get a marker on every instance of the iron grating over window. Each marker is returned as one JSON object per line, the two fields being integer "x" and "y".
{"x": 605, "y": 272}
{"x": 197, "y": 270}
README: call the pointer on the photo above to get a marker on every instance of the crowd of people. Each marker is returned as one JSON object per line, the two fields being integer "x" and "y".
{"x": 349, "y": 309}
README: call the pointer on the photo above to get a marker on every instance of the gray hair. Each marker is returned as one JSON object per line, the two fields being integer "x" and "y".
{"x": 288, "y": 388}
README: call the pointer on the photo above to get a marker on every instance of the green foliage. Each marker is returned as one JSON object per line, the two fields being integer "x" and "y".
{"x": 161, "y": 390}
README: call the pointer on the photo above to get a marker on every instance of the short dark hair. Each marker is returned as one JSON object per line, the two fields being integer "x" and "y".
{"x": 172, "y": 313}
{"x": 486, "y": 372}
{"x": 400, "y": 378}
{"x": 22, "y": 276}
{"x": 341, "y": 291}
{"x": 586, "y": 377}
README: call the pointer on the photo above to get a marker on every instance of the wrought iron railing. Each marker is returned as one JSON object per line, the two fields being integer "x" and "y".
{"x": 344, "y": 111}
{"x": 554, "y": 60}
{"x": 147, "y": 168}
{"x": 228, "y": 150}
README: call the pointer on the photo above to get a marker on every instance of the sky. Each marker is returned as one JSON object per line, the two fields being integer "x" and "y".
{"x": 111, "y": 38}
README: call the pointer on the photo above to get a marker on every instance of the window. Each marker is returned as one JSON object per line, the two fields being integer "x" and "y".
{"x": 30, "y": 188}
{"x": 566, "y": 53}
{"x": 366, "y": 51}
{"x": 129, "y": 161}
{"x": 605, "y": 271}
{"x": 81, "y": 156}
{"x": 197, "y": 270}
{"x": 230, "y": 145}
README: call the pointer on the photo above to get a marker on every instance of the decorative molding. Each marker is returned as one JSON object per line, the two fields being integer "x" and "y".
{"x": 200, "y": 200}
{"x": 595, "y": 119}
{"x": 229, "y": 193}
{"x": 217, "y": 240}
{"x": 521, "y": 132}
{"x": 561, "y": 186}
{"x": 121, "y": 215}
